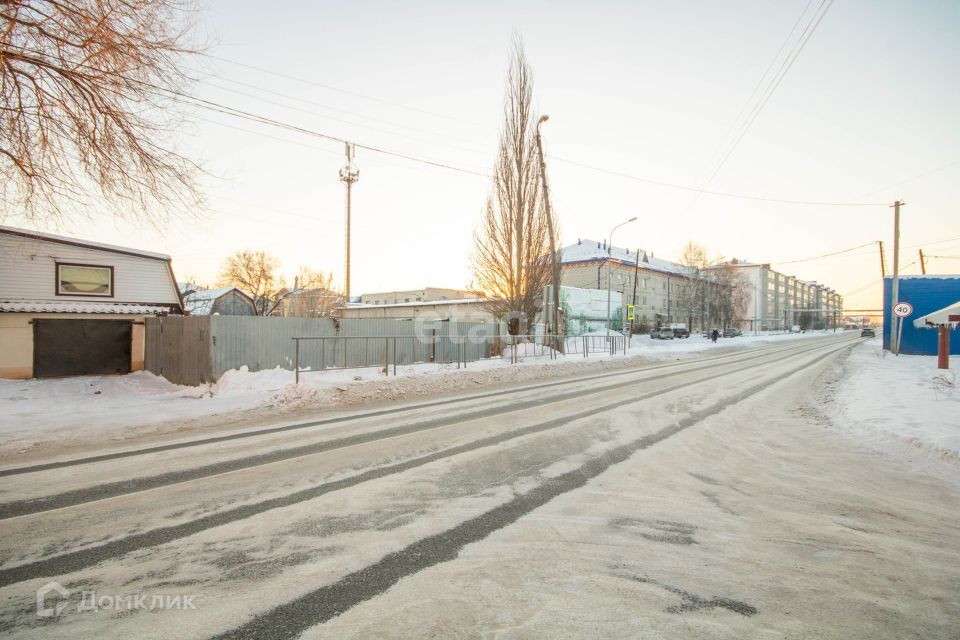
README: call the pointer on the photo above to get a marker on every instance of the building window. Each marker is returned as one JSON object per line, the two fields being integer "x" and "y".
{"x": 84, "y": 280}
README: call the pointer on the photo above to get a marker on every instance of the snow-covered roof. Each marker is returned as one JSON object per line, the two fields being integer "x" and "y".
{"x": 591, "y": 250}
{"x": 14, "y": 306}
{"x": 421, "y": 303}
{"x": 40, "y": 235}
{"x": 200, "y": 302}
{"x": 946, "y": 316}
{"x": 927, "y": 277}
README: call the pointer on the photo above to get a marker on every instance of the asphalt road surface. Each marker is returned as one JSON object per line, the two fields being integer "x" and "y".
{"x": 709, "y": 497}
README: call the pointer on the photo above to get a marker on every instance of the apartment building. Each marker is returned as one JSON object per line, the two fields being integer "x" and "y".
{"x": 656, "y": 288}
{"x": 778, "y": 301}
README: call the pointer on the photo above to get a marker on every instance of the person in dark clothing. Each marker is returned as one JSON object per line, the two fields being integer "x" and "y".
{"x": 714, "y": 335}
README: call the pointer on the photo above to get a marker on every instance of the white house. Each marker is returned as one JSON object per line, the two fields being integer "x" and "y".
{"x": 73, "y": 307}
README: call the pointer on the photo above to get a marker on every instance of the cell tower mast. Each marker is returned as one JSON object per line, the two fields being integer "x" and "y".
{"x": 348, "y": 175}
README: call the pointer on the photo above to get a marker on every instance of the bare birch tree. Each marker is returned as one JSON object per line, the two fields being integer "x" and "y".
{"x": 86, "y": 93}
{"x": 511, "y": 259}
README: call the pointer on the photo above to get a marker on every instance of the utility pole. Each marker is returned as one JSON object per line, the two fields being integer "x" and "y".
{"x": 883, "y": 262}
{"x": 348, "y": 175}
{"x": 895, "y": 288}
{"x": 636, "y": 274}
{"x": 923, "y": 264}
{"x": 554, "y": 326}
{"x": 609, "y": 261}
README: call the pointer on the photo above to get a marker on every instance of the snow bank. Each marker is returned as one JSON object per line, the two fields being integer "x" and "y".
{"x": 906, "y": 398}
{"x": 90, "y": 410}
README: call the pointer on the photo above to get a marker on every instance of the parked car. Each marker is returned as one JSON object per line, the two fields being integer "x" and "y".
{"x": 680, "y": 330}
{"x": 795, "y": 329}
{"x": 730, "y": 332}
{"x": 868, "y": 332}
{"x": 664, "y": 333}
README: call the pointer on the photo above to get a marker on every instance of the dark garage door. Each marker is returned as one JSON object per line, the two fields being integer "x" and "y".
{"x": 80, "y": 347}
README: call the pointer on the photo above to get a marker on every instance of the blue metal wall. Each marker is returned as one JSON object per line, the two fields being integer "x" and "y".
{"x": 926, "y": 294}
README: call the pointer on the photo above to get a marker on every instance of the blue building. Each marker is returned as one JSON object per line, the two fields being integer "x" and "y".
{"x": 927, "y": 294}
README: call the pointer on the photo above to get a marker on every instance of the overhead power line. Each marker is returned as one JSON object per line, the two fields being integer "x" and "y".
{"x": 246, "y": 115}
{"x": 774, "y": 82}
{"x": 330, "y": 87}
{"x": 917, "y": 177}
{"x": 827, "y": 255}
{"x": 210, "y": 105}
{"x": 721, "y": 194}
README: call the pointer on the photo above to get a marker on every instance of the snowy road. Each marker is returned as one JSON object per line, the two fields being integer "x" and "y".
{"x": 701, "y": 498}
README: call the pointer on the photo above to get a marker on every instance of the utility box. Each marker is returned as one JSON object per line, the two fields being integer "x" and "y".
{"x": 927, "y": 294}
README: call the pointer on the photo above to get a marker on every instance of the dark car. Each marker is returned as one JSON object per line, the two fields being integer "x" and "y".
{"x": 868, "y": 332}
{"x": 730, "y": 332}
{"x": 681, "y": 332}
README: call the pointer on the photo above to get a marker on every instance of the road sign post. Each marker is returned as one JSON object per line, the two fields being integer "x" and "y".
{"x": 901, "y": 310}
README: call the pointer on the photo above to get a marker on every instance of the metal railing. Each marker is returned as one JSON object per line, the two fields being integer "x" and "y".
{"x": 324, "y": 353}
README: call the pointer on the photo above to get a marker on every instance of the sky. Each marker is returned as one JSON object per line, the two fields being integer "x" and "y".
{"x": 646, "y": 92}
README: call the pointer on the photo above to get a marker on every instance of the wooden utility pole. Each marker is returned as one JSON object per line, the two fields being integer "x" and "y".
{"x": 636, "y": 274}
{"x": 883, "y": 262}
{"x": 554, "y": 325}
{"x": 895, "y": 289}
{"x": 923, "y": 263}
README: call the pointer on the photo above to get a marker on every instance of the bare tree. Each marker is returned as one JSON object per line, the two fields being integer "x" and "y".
{"x": 86, "y": 93}
{"x": 313, "y": 295}
{"x": 255, "y": 272}
{"x": 691, "y": 301}
{"x": 729, "y": 294}
{"x": 512, "y": 260}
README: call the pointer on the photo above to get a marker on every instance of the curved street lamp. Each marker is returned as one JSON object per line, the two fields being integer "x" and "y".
{"x": 609, "y": 260}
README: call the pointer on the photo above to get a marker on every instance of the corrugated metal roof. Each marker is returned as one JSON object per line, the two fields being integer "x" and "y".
{"x": 33, "y": 306}
{"x": 41, "y": 235}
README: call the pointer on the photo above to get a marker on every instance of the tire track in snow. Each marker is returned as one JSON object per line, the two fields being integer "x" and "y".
{"x": 84, "y": 558}
{"x": 108, "y": 490}
{"x": 12, "y": 471}
{"x": 290, "y": 620}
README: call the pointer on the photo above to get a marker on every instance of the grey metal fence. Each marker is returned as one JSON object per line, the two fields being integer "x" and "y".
{"x": 193, "y": 350}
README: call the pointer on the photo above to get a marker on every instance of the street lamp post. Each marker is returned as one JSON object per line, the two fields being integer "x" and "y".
{"x": 609, "y": 260}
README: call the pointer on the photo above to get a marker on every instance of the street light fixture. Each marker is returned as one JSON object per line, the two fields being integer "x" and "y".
{"x": 609, "y": 260}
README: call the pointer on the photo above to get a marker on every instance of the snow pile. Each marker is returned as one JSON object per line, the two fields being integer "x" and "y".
{"x": 884, "y": 397}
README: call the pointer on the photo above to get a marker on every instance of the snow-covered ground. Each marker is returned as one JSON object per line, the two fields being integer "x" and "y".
{"x": 883, "y": 398}
{"x": 71, "y": 411}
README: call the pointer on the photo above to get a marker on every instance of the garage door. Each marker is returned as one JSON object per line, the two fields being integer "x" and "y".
{"x": 80, "y": 347}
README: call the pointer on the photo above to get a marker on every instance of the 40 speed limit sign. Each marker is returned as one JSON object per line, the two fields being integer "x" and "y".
{"x": 902, "y": 309}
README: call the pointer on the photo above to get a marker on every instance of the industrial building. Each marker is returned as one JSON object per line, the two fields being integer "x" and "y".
{"x": 926, "y": 294}
{"x": 427, "y": 294}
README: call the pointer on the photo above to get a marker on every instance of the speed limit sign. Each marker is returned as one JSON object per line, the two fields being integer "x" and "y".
{"x": 902, "y": 309}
